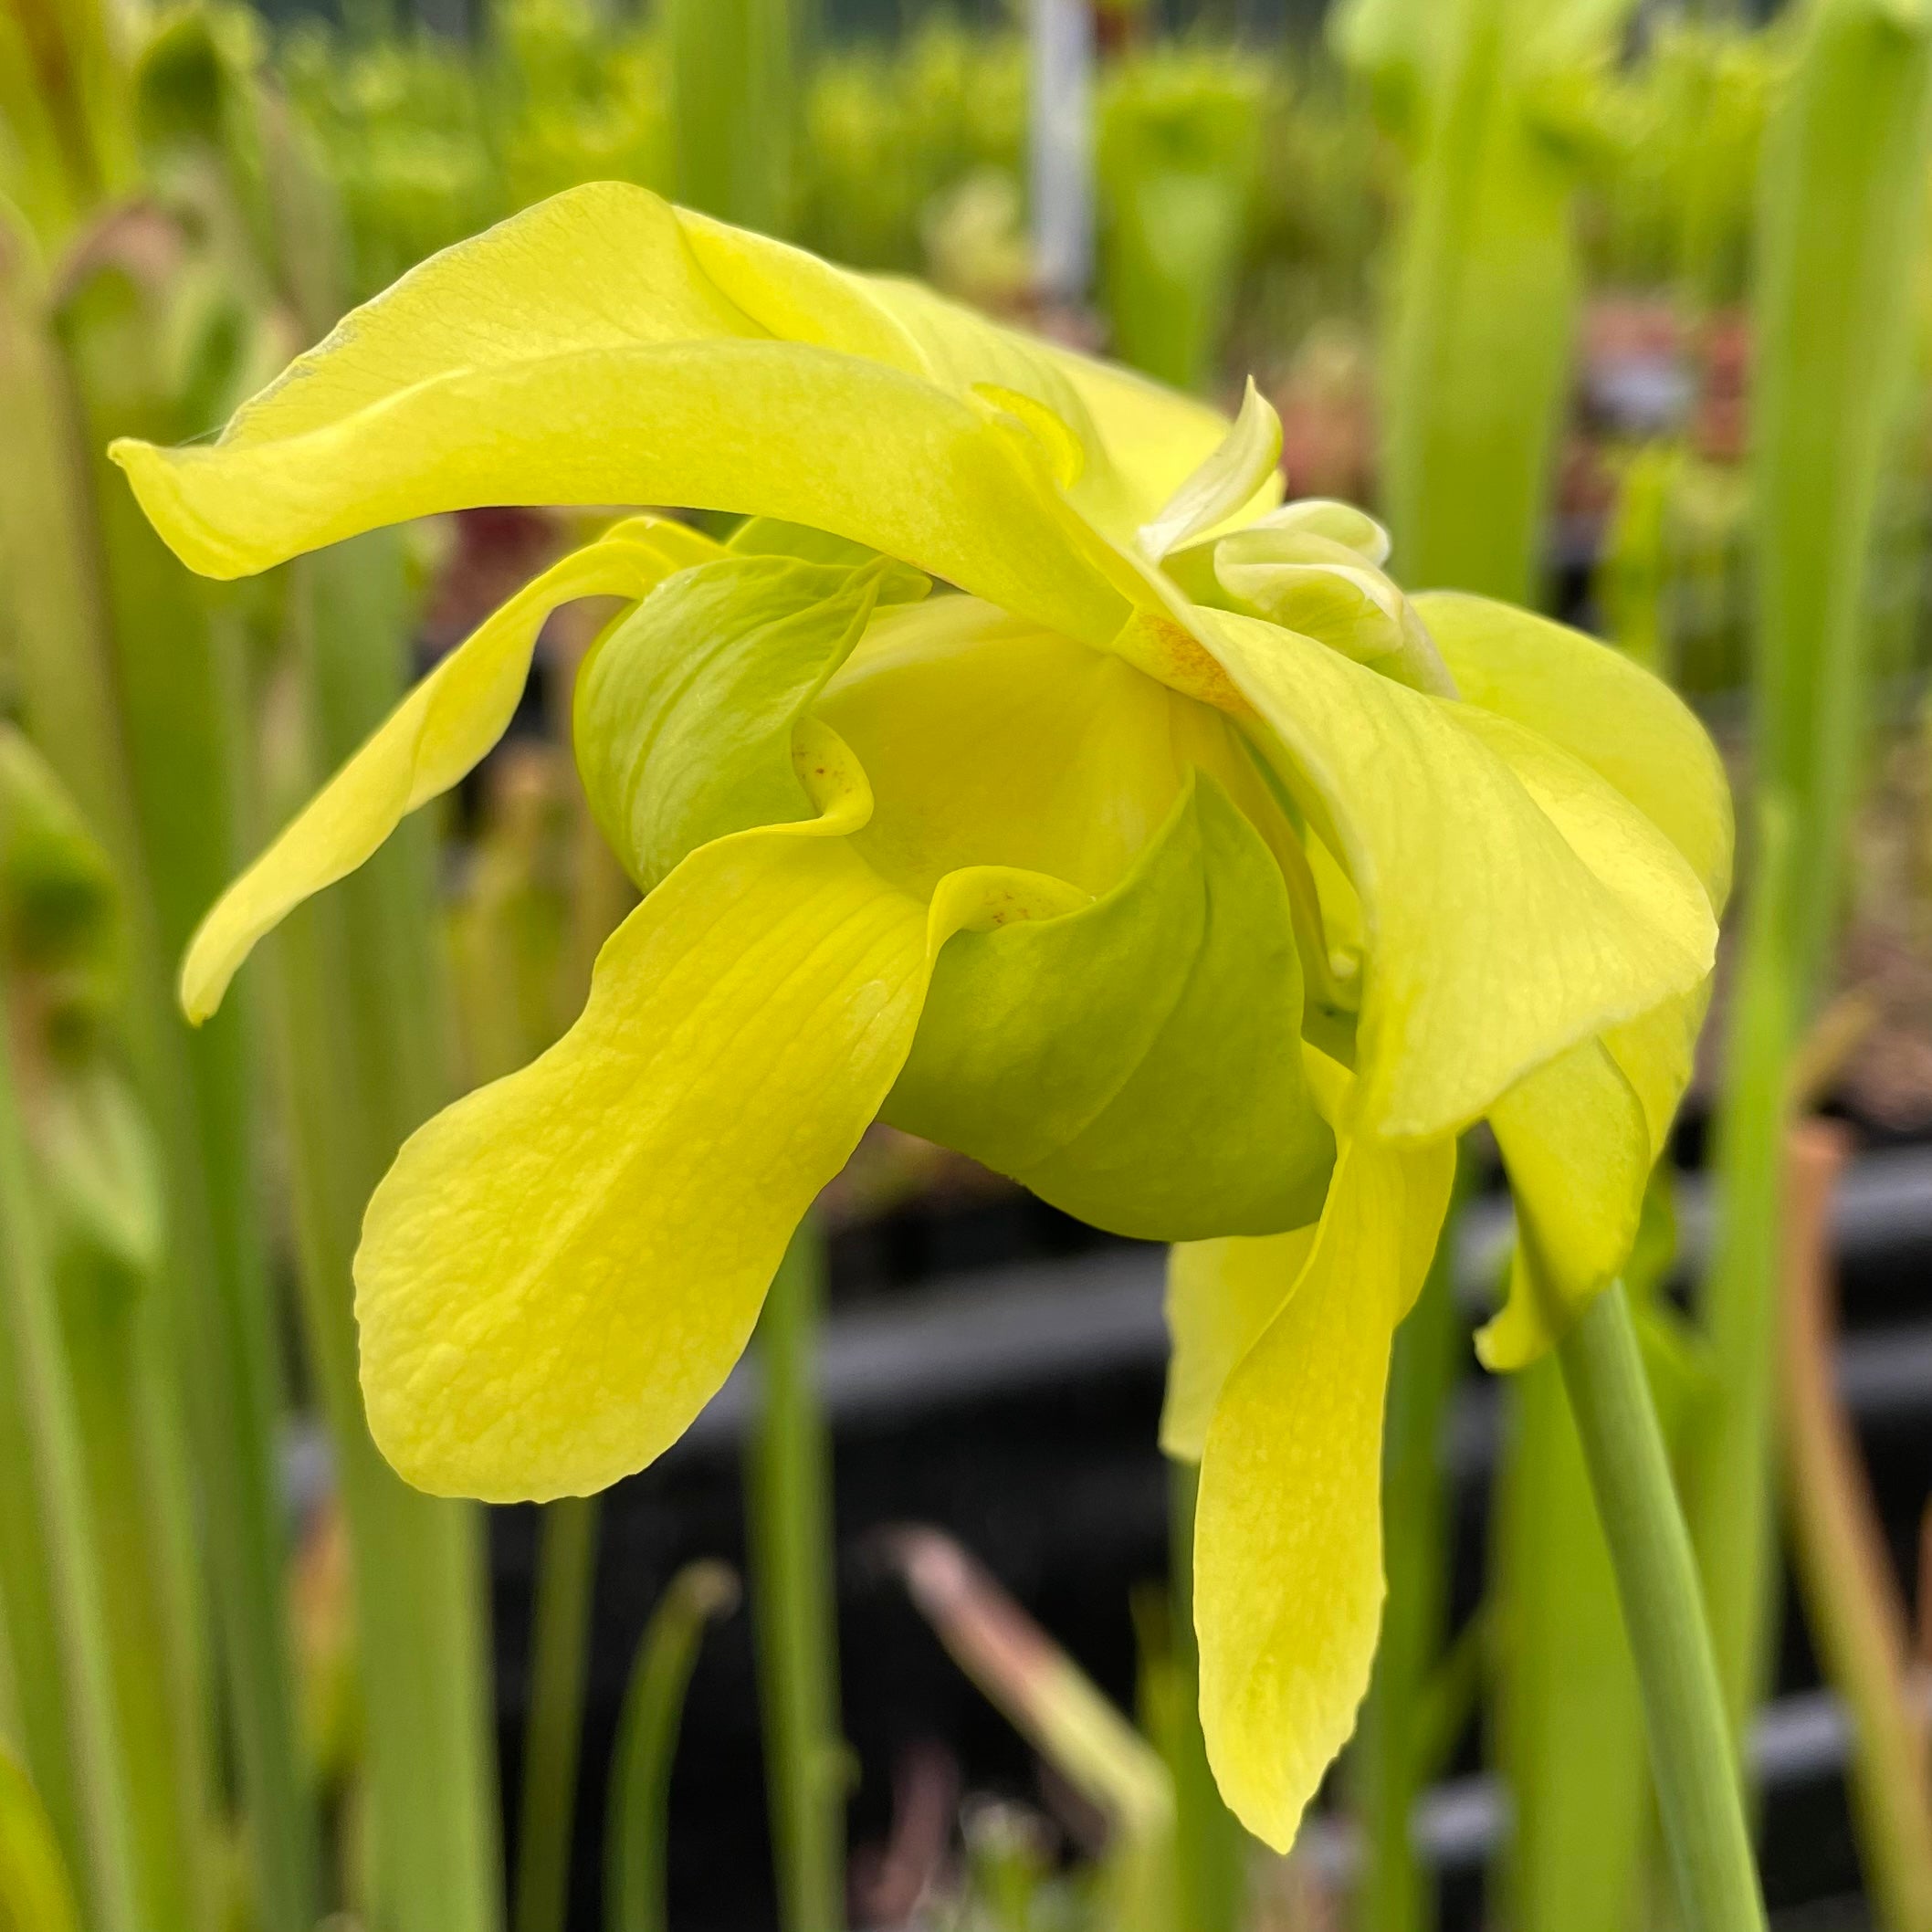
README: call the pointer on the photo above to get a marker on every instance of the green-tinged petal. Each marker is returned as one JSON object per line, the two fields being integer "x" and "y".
{"x": 1624, "y": 723}
{"x": 1288, "y": 1550}
{"x": 1514, "y": 903}
{"x": 1581, "y": 1138}
{"x": 1350, "y": 606}
{"x": 990, "y": 742}
{"x": 431, "y": 739}
{"x": 685, "y": 710}
{"x": 1228, "y": 479}
{"x": 1136, "y": 1062}
{"x": 561, "y": 1269}
{"x": 1221, "y": 1295}
{"x": 1333, "y": 521}
{"x": 768, "y": 537}
{"x": 1308, "y": 581}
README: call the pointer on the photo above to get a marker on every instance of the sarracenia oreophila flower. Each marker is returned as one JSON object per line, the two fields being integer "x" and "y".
{"x": 1168, "y": 859}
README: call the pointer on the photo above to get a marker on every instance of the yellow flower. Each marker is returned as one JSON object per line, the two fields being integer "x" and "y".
{"x": 1168, "y": 858}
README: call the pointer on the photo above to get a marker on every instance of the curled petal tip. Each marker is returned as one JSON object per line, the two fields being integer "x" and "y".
{"x": 1230, "y": 477}
{"x": 155, "y": 477}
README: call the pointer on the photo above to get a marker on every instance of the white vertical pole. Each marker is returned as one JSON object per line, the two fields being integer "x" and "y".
{"x": 1062, "y": 38}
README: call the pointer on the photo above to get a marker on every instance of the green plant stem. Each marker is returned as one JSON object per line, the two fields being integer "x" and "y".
{"x": 1730, "y": 1494}
{"x": 1569, "y": 1727}
{"x": 360, "y": 1052}
{"x": 1699, "y": 1795}
{"x": 1842, "y": 190}
{"x": 793, "y": 1600}
{"x": 1567, "y": 1718}
{"x": 560, "y": 1635}
{"x": 732, "y": 96}
{"x": 53, "y": 607}
{"x": 36, "y": 1388}
{"x": 637, "y": 1835}
{"x": 1387, "y": 1768}
{"x": 1210, "y": 1846}
{"x": 182, "y": 721}
{"x": 124, "y": 1438}
{"x": 1485, "y": 284}
{"x": 36, "y": 1890}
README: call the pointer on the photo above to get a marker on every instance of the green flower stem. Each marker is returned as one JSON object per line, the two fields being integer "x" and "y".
{"x": 39, "y": 1418}
{"x": 1567, "y": 1718}
{"x": 119, "y": 1403}
{"x": 125, "y": 687}
{"x": 1210, "y": 1846}
{"x": 57, "y": 622}
{"x": 181, "y": 723}
{"x": 636, "y": 1834}
{"x": 560, "y": 1640}
{"x": 1387, "y": 1766}
{"x": 361, "y": 1036}
{"x": 793, "y": 1598}
{"x": 1699, "y": 1796}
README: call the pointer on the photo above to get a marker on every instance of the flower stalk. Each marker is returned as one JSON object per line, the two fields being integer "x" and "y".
{"x": 1700, "y": 1799}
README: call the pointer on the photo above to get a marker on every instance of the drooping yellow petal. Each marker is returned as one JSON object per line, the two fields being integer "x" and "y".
{"x": 560, "y": 1270}
{"x": 1287, "y": 1541}
{"x": 1580, "y": 1135}
{"x": 1221, "y": 1297}
{"x": 436, "y": 735}
{"x": 1579, "y": 1138}
{"x": 1514, "y": 903}
{"x": 1614, "y": 716}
